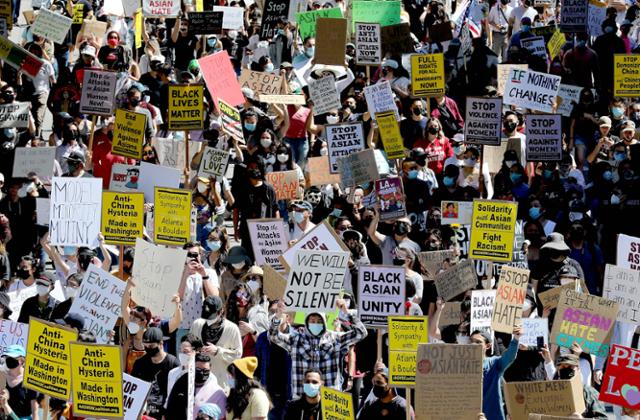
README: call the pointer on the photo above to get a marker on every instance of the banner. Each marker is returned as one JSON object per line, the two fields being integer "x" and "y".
{"x": 273, "y": 11}
{"x": 134, "y": 396}
{"x": 15, "y": 115}
{"x": 321, "y": 237}
{"x": 544, "y": 137}
{"x": 307, "y": 20}
{"x": 261, "y": 83}
{"x": 405, "y": 332}
{"x": 456, "y": 212}
{"x": 482, "y": 303}
{"x": 320, "y": 172}
{"x": 620, "y": 383}
{"x": 534, "y": 328}
{"x": 231, "y": 120}
{"x": 626, "y": 75}
{"x": 384, "y": 12}
{"x": 390, "y": 195}
{"x": 76, "y": 205}
{"x": 449, "y": 381}
{"x": 585, "y": 319}
{"x": 172, "y": 216}
{"x": 205, "y": 23}
{"x": 48, "y": 363}
{"x": 456, "y": 280}
{"x": 358, "y": 168}
{"x": 98, "y": 92}
{"x": 33, "y": 160}
{"x": 315, "y": 280}
{"x": 368, "y": 44}
{"x": 336, "y": 405}
{"x": 286, "y": 184}
{"x": 557, "y": 397}
{"x": 158, "y": 271}
{"x": 628, "y": 252}
{"x": 324, "y": 95}
{"x": 96, "y": 372}
{"x": 342, "y": 140}
{"x": 573, "y": 16}
{"x": 51, "y": 26}
{"x": 531, "y": 89}
{"x": 19, "y": 58}
{"x": 427, "y": 74}
{"x": 13, "y": 333}
{"x": 128, "y": 135}
{"x": 381, "y": 293}
{"x": 483, "y": 121}
{"x": 122, "y": 217}
{"x": 331, "y": 38}
{"x": 269, "y": 239}
{"x": 380, "y": 99}
{"x": 622, "y": 285}
{"x": 213, "y": 163}
{"x": 186, "y": 107}
{"x": 390, "y": 134}
{"x": 492, "y": 230}
{"x": 512, "y": 289}
{"x": 221, "y": 79}
{"x": 160, "y": 8}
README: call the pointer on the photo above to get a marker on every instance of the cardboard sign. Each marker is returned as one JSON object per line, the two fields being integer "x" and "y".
{"x": 286, "y": 184}
{"x": 368, "y": 44}
{"x": 283, "y": 99}
{"x": 158, "y": 271}
{"x": 128, "y": 134}
{"x": 555, "y": 44}
{"x": 160, "y": 8}
{"x": 597, "y": 14}
{"x": 493, "y": 230}
{"x": 568, "y": 96}
{"x": 483, "y": 121}
{"x": 273, "y": 283}
{"x": 390, "y": 135}
{"x": 52, "y": 26}
{"x": 628, "y": 252}
{"x": 13, "y": 333}
{"x": 573, "y": 16}
{"x": 433, "y": 262}
{"x": 512, "y": 289}
{"x": 390, "y": 195}
{"x": 380, "y": 99}
{"x": 558, "y": 397}
{"x": 172, "y": 153}
{"x": 456, "y": 212}
{"x": 324, "y": 95}
{"x": 585, "y": 319}
{"x": 544, "y": 137}
{"x": 456, "y": 280}
{"x": 626, "y": 75}
{"x": 231, "y": 120}
{"x": 622, "y": 285}
{"x": 205, "y": 23}
{"x": 336, "y": 405}
{"x": 122, "y": 217}
{"x": 427, "y": 74}
{"x": 261, "y": 83}
{"x": 307, "y": 20}
{"x": 274, "y": 10}
{"x": 269, "y": 239}
{"x": 620, "y": 383}
{"x": 134, "y": 396}
{"x": 76, "y": 205}
{"x": 331, "y": 37}
{"x": 315, "y": 280}
{"x": 531, "y": 89}
{"x": 33, "y": 160}
{"x": 482, "y": 304}
{"x": 98, "y": 92}
{"x": 503, "y": 74}
{"x": 48, "y": 361}
{"x": 405, "y": 333}
{"x": 319, "y": 171}
{"x": 186, "y": 107}
{"x": 396, "y": 39}
{"x": 19, "y": 58}
{"x": 381, "y": 293}
{"x": 550, "y": 298}
{"x": 358, "y": 168}
{"x": 233, "y": 17}
{"x": 172, "y": 216}
{"x": 535, "y": 45}
{"x": 321, "y": 237}
{"x": 532, "y": 329}
{"x": 449, "y": 381}
{"x": 385, "y": 12}
{"x": 96, "y": 372}
{"x": 342, "y": 140}
{"x": 14, "y": 115}
{"x": 450, "y": 314}
{"x": 221, "y": 79}
{"x": 214, "y": 162}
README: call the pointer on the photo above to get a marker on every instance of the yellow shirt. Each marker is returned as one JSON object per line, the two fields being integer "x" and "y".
{"x": 258, "y": 406}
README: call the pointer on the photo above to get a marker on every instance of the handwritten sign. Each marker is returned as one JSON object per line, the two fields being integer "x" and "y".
{"x": 358, "y": 168}
{"x": 98, "y": 92}
{"x": 205, "y": 23}
{"x": 261, "y": 83}
{"x": 320, "y": 172}
{"x": 33, "y": 160}
{"x": 531, "y": 89}
{"x": 221, "y": 79}
{"x": 331, "y": 37}
{"x": 324, "y": 95}
{"x": 620, "y": 383}
{"x": 13, "y": 333}
{"x": 512, "y": 289}
{"x": 286, "y": 184}
{"x": 380, "y": 99}
{"x": 433, "y": 262}
{"x": 214, "y": 162}
{"x": 76, "y": 205}
{"x": 550, "y": 298}
{"x": 381, "y": 292}
{"x": 307, "y": 20}
{"x": 532, "y": 329}
{"x": 342, "y": 140}
{"x": 269, "y": 239}
{"x": 456, "y": 280}
{"x": 621, "y": 285}
{"x": 321, "y": 237}
{"x": 134, "y": 396}
{"x": 14, "y": 115}
{"x": 52, "y": 26}
{"x": 573, "y": 16}
{"x": 557, "y": 397}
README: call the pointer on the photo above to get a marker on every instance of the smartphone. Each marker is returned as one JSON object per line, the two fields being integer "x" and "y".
{"x": 540, "y": 341}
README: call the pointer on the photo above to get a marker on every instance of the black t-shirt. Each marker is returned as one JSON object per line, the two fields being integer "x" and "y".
{"x": 185, "y": 51}
{"x": 145, "y": 369}
{"x": 412, "y": 130}
{"x": 20, "y": 400}
{"x": 394, "y": 410}
{"x": 258, "y": 202}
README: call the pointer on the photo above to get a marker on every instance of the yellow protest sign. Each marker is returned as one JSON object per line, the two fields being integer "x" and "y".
{"x": 427, "y": 74}
{"x": 97, "y": 380}
{"x": 186, "y": 110}
{"x": 199, "y": 5}
{"x": 6, "y": 12}
{"x": 48, "y": 362}
{"x": 128, "y": 134}
{"x": 402, "y": 367}
{"x": 405, "y": 333}
{"x": 626, "y": 75}
{"x": 138, "y": 28}
{"x": 390, "y": 134}
{"x": 122, "y": 217}
{"x": 336, "y": 405}
{"x": 78, "y": 14}
{"x": 555, "y": 43}
{"x": 172, "y": 216}
{"x": 492, "y": 230}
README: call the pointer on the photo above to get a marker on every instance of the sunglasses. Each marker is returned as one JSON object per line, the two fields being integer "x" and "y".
{"x": 193, "y": 254}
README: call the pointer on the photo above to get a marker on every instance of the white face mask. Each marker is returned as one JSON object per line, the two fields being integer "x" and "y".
{"x": 202, "y": 188}
{"x": 238, "y": 266}
{"x": 265, "y": 142}
{"x": 575, "y": 215}
{"x": 70, "y": 291}
{"x": 42, "y": 290}
{"x": 253, "y": 285}
{"x": 324, "y": 151}
{"x": 133, "y": 327}
{"x": 183, "y": 358}
{"x": 282, "y": 158}
{"x": 615, "y": 199}
{"x": 332, "y": 119}
{"x": 462, "y": 339}
{"x": 509, "y": 163}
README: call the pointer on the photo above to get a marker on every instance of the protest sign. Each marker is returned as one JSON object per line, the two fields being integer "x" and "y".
{"x": 124, "y": 178}
{"x": 391, "y": 198}
{"x": 358, "y": 168}
{"x": 43, "y": 206}
{"x": 380, "y": 99}
{"x": 269, "y": 239}
{"x": 231, "y": 120}
{"x": 324, "y": 95}
{"x": 134, "y": 396}
{"x": 48, "y": 361}
{"x": 273, "y": 283}
{"x": 221, "y": 79}
{"x": 433, "y": 262}
{"x": 75, "y": 210}
{"x": 456, "y": 280}
{"x": 544, "y": 137}
{"x": 52, "y": 26}
{"x": 233, "y": 17}
{"x": 172, "y": 216}
{"x": 482, "y": 304}
{"x": 456, "y": 212}
{"x": 531, "y": 89}
{"x": 336, "y": 405}
{"x": 390, "y": 134}
{"x": 450, "y": 315}
{"x": 405, "y": 333}
{"x": 384, "y": 12}
{"x": 6, "y": 12}
{"x": 295, "y": 7}
{"x": 13, "y": 333}
{"x": 33, "y": 160}
{"x": 342, "y": 140}
{"x": 91, "y": 28}
{"x": 503, "y": 74}
{"x": 368, "y": 44}
{"x": 307, "y": 20}
{"x": 320, "y": 171}
{"x": 556, "y": 43}
{"x": 381, "y": 292}
{"x": 626, "y": 75}
{"x": 286, "y": 184}
{"x": 128, "y": 134}
{"x": 122, "y": 217}
{"x": 550, "y": 298}
{"x": 19, "y": 58}
{"x": 14, "y": 115}
{"x": 628, "y": 252}
{"x": 213, "y": 163}
{"x": 96, "y": 373}
{"x": 283, "y": 99}
{"x": 171, "y": 150}
{"x": 449, "y": 381}
{"x": 597, "y": 14}
{"x": 17, "y": 298}
{"x": 573, "y": 16}
{"x": 205, "y": 23}
{"x": 274, "y": 11}
{"x": 535, "y": 46}
{"x": 186, "y": 109}
{"x": 585, "y": 319}
{"x": 492, "y": 233}
{"x": 99, "y": 302}
{"x": 483, "y": 121}
{"x": 160, "y": 8}
{"x": 158, "y": 271}
{"x": 532, "y": 329}
{"x": 512, "y": 289}
{"x": 321, "y": 237}
{"x": 622, "y": 285}
{"x": 427, "y": 74}
{"x": 261, "y": 83}
{"x": 331, "y": 36}
{"x": 557, "y": 397}
{"x": 568, "y": 96}
{"x": 620, "y": 383}
{"x": 396, "y": 39}
{"x": 315, "y": 280}
{"x": 98, "y": 92}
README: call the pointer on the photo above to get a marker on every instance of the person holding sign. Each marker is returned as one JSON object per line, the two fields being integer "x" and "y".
{"x": 301, "y": 215}
{"x": 568, "y": 366}
{"x": 247, "y": 399}
{"x": 387, "y": 404}
{"x": 396, "y": 76}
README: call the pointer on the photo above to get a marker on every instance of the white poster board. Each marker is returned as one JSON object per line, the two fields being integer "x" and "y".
{"x": 320, "y": 237}
{"x": 531, "y": 89}
{"x": 622, "y": 285}
{"x": 13, "y": 333}
{"x": 233, "y": 17}
{"x": 98, "y": 92}
{"x": 544, "y": 137}
{"x": 342, "y": 140}
{"x": 160, "y": 8}
{"x": 380, "y": 98}
{"x": 214, "y": 162}
{"x": 124, "y": 178}
{"x": 33, "y": 160}
{"x": 152, "y": 176}
{"x": 14, "y": 115}
{"x": 51, "y": 26}
{"x": 324, "y": 95}
{"x": 43, "y": 207}
{"x": 134, "y": 396}
{"x": 628, "y": 252}
{"x": 76, "y": 208}
{"x": 381, "y": 293}
{"x": 482, "y": 302}
{"x": 368, "y": 44}
{"x": 269, "y": 239}
{"x": 532, "y": 329}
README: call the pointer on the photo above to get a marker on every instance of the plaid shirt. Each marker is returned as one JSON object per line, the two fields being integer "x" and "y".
{"x": 324, "y": 353}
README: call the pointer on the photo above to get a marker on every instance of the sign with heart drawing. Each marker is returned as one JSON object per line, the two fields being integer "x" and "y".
{"x": 621, "y": 382}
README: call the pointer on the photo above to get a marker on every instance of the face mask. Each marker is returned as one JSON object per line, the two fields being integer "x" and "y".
{"x": 249, "y": 127}
{"x": 152, "y": 351}
{"x": 566, "y": 373}
{"x": 515, "y": 177}
{"x": 298, "y": 216}
{"x": 462, "y": 339}
{"x": 505, "y": 2}
{"x": 619, "y": 156}
{"x": 398, "y": 262}
{"x": 448, "y": 181}
{"x": 11, "y": 363}
{"x": 422, "y": 162}
{"x": 574, "y": 215}
{"x": 283, "y": 157}
{"x": 231, "y": 382}
{"x": 8, "y": 97}
{"x": 469, "y": 163}
{"x": 617, "y": 112}
{"x": 68, "y": 250}
{"x": 266, "y": 143}
{"x": 534, "y": 213}
{"x": 416, "y": 111}
{"x": 133, "y": 327}
{"x": 255, "y": 174}
{"x": 202, "y": 188}
{"x": 380, "y": 391}
{"x": 134, "y": 101}
{"x": 509, "y": 126}
{"x": 311, "y": 390}
{"x": 609, "y": 30}
{"x": 22, "y": 273}
{"x": 309, "y": 52}
{"x": 238, "y": 266}
{"x": 42, "y": 290}
{"x": 201, "y": 376}
{"x": 268, "y": 67}
{"x": 509, "y": 163}
{"x": 458, "y": 150}
{"x": 242, "y": 299}
{"x": 432, "y": 130}
{"x": 315, "y": 329}
{"x": 607, "y": 175}
{"x": 413, "y": 174}
{"x": 547, "y": 174}
{"x": 581, "y": 44}
{"x": 615, "y": 200}
{"x": 324, "y": 151}
{"x": 112, "y": 42}
{"x": 332, "y": 119}
{"x": 211, "y": 42}
{"x": 183, "y": 358}
{"x": 336, "y": 213}
{"x": 400, "y": 229}
{"x": 214, "y": 245}
{"x": 254, "y": 286}
{"x": 70, "y": 292}
{"x": 526, "y": 28}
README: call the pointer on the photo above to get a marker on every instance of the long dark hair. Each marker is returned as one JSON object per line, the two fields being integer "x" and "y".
{"x": 232, "y": 311}
{"x": 238, "y": 398}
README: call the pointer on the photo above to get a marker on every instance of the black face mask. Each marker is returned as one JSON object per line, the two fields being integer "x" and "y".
{"x": 505, "y": 2}
{"x": 400, "y": 229}
{"x": 422, "y": 162}
{"x": 416, "y": 111}
{"x": 385, "y": 72}
{"x": 152, "y": 351}
{"x": 11, "y": 362}
{"x": 202, "y": 375}
{"x": 8, "y": 97}
{"x": 509, "y": 126}
{"x": 432, "y": 130}
{"x": 380, "y": 391}
{"x": 255, "y": 174}
{"x": 22, "y": 273}
{"x": 398, "y": 262}
{"x": 134, "y": 101}
{"x": 566, "y": 373}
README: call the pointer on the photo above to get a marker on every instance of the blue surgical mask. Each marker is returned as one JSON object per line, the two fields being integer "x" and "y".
{"x": 515, "y": 177}
{"x": 534, "y": 213}
{"x": 231, "y": 382}
{"x": 448, "y": 181}
{"x": 526, "y": 28}
{"x": 581, "y": 44}
{"x": 547, "y": 173}
{"x": 315, "y": 329}
{"x": 609, "y": 30}
{"x": 607, "y": 175}
{"x": 309, "y": 52}
{"x": 469, "y": 163}
{"x": 311, "y": 390}
{"x": 366, "y": 185}
{"x": 617, "y": 112}
{"x": 336, "y": 213}
{"x": 269, "y": 67}
{"x": 68, "y": 250}
{"x": 413, "y": 174}
{"x": 250, "y": 127}
{"x": 214, "y": 245}
{"x": 458, "y": 150}
{"x": 298, "y": 216}
{"x": 211, "y": 42}
{"x": 619, "y": 156}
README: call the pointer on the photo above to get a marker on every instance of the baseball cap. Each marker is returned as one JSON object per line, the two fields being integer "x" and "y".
{"x": 152, "y": 335}
{"x": 88, "y": 50}
{"x": 604, "y": 121}
{"x": 14, "y": 351}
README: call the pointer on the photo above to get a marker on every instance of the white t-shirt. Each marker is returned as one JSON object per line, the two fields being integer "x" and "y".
{"x": 194, "y": 297}
{"x": 41, "y": 81}
{"x": 518, "y": 13}
{"x": 299, "y": 233}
